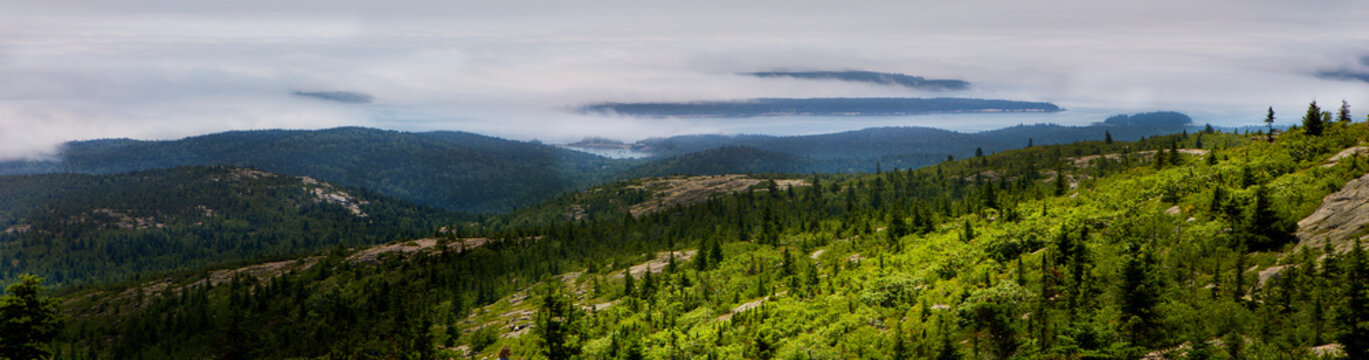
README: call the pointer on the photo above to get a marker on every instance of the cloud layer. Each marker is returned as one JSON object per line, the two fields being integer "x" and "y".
{"x": 166, "y": 69}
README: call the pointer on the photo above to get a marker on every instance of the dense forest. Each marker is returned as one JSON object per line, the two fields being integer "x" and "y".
{"x": 817, "y": 107}
{"x": 453, "y": 170}
{"x": 479, "y": 174}
{"x": 80, "y": 229}
{"x": 1178, "y": 246}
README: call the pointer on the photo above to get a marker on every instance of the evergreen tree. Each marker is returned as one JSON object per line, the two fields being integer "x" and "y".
{"x": 898, "y": 228}
{"x": 1354, "y": 317}
{"x": 1175, "y": 157}
{"x": 715, "y": 254}
{"x": 558, "y": 325}
{"x": 701, "y": 257}
{"x": 28, "y": 322}
{"x": 994, "y": 313}
{"x": 1269, "y": 119}
{"x": 1344, "y": 114}
{"x": 1312, "y": 121}
{"x": 1161, "y": 158}
{"x": 1107, "y": 137}
{"x": 1060, "y": 186}
{"x": 1140, "y": 295}
{"x": 947, "y": 350}
{"x": 1268, "y": 229}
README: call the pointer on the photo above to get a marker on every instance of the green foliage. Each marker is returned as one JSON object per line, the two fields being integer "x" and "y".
{"x": 1354, "y": 317}
{"x": 452, "y": 170}
{"x": 558, "y": 325}
{"x": 28, "y": 321}
{"x": 80, "y": 229}
{"x": 993, "y": 313}
{"x": 1136, "y": 260}
{"x": 1312, "y": 122}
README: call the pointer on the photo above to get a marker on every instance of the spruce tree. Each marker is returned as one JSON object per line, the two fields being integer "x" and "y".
{"x": 1175, "y": 157}
{"x": 1354, "y": 317}
{"x": 1269, "y": 119}
{"x": 28, "y": 322}
{"x": 1107, "y": 137}
{"x": 1140, "y": 297}
{"x": 1268, "y": 228}
{"x": 1312, "y": 121}
{"x": 558, "y": 325}
{"x": 1344, "y": 114}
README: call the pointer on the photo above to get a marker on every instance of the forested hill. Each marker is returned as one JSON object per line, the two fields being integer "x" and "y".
{"x": 902, "y": 147}
{"x": 75, "y": 229}
{"x": 453, "y": 170}
{"x": 1180, "y": 246}
{"x": 474, "y": 173}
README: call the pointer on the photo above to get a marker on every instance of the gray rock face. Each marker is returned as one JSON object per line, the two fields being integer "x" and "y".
{"x": 1343, "y": 216}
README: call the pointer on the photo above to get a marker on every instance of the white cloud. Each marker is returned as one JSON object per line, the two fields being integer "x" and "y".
{"x": 164, "y": 69}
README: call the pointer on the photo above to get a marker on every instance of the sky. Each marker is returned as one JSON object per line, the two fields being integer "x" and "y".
{"x": 166, "y": 69}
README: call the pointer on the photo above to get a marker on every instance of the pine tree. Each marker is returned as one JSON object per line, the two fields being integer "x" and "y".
{"x": 1060, "y": 186}
{"x": 28, "y": 322}
{"x": 1269, "y": 119}
{"x": 947, "y": 350}
{"x": 1175, "y": 157}
{"x": 1354, "y": 317}
{"x": 1344, "y": 115}
{"x": 1107, "y": 137}
{"x": 1161, "y": 158}
{"x": 701, "y": 257}
{"x": 715, "y": 254}
{"x": 558, "y": 325}
{"x": 1312, "y": 121}
{"x": 1140, "y": 296}
{"x": 898, "y": 228}
{"x": 1269, "y": 229}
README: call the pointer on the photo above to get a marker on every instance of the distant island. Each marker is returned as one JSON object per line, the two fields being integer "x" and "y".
{"x": 817, "y": 107}
{"x": 892, "y": 79}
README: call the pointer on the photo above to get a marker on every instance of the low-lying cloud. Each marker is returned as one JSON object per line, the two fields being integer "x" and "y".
{"x": 345, "y": 97}
{"x": 155, "y": 69}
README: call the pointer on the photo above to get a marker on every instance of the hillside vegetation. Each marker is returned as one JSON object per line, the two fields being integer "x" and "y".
{"x": 1159, "y": 248}
{"x": 79, "y": 229}
{"x": 452, "y": 170}
{"x": 479, "y": 174}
